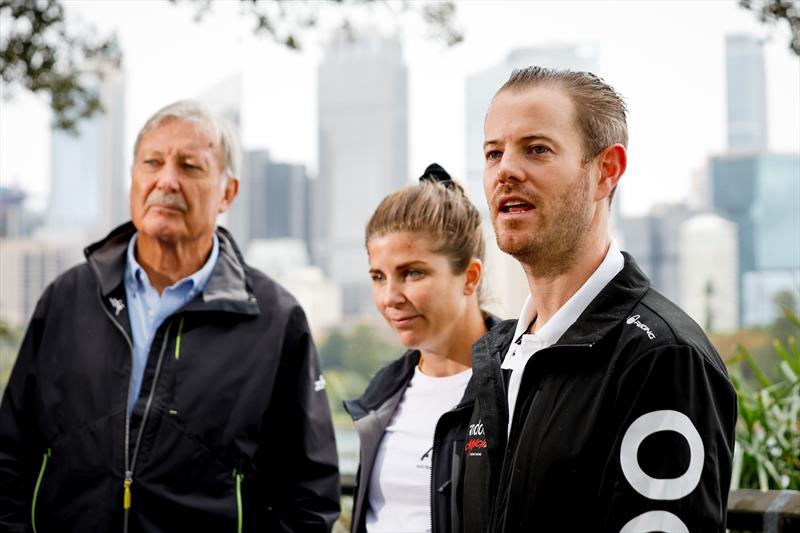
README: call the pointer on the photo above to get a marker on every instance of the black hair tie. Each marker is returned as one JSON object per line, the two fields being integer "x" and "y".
{"x": 436, "y": 174}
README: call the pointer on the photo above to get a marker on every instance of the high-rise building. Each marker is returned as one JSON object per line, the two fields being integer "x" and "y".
{"x": 505, "y": 282}
{"x": 277, "y": 199}
{"x": 654, "y": 242}
{"x": 27, "y": 266}
{"x": 88, "y": 186}
{"x": 746, "y": 90}
{"x": 707, "y": 267}
{"x": 760, "y": 192}
{"x": 363, "y": 108}
{"x": 16, "y": 221}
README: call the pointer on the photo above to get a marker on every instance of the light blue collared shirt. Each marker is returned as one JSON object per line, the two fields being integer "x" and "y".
{"x": 148, "y": 310}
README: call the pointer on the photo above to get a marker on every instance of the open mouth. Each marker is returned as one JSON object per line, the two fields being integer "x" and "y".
{"x": 515, "y": 206}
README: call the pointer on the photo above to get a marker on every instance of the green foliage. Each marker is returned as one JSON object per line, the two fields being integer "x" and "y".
{"x": 772, "y": 11}
{"x": 767, "y": 452}
{"x": 39, "y": 53}
{"x": 350, "y": 357}
{"x": 286, "y": 23}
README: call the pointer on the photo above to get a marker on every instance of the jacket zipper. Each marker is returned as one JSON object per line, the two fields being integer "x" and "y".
{"x": 45, "y": 458}
{"x": 239, "y": 515}
{"x": 130, "y": 461}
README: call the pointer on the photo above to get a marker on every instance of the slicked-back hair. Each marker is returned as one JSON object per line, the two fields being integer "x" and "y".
{"x": 444, "y": 214}
{"x": 219, "y": 128}
{"x": 600, "y": 111}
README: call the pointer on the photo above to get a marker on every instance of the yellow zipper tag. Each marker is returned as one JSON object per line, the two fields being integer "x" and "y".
{"x": 126, "y": 500}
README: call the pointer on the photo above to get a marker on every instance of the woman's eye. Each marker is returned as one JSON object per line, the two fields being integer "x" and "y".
{"x": 539, "y": 149}
{"x": 413, "y": 273}
{"x": 376, "y": 276}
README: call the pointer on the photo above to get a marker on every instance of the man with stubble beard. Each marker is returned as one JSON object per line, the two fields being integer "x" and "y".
{"x": 604, "y": 407}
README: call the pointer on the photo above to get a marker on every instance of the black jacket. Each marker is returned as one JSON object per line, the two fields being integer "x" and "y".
{"x": 373, "y": 411}
{"x": 599, "y": 415}
{"x": 230, "y": 431}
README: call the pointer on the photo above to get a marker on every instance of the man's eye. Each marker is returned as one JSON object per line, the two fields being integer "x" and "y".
{"x": 491, "y": 155}
{"x": 151, "y": 162}
{"x": 376, "y": 276}
{"x": 539, "y": 149}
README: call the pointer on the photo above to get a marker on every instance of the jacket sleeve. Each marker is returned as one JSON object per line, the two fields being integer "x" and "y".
{"x": 20, "y": 447}
{"x": 304, "y": 475}
{"x": 670, "y": 467}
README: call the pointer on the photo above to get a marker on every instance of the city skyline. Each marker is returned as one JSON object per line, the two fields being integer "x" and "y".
{"x": 675, "y": 124}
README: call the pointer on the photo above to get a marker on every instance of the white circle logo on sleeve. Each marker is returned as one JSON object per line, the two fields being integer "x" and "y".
{"x": 654, "y": 488}
{"x": 655, "y": 521}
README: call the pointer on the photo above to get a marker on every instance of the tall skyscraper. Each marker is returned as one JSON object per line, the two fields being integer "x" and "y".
{"x": 362, "y": 92}
{"x": 277, "y": 198}
{"x": 27, "y": 266}
{"x": 88, "y": 186}
{"x": 654, "y": 242}
{"x": 759, "y": 192}
{"x": 505, "y": 280}
{"x": 746, "y": 90}
{"x": 707, "y": 266}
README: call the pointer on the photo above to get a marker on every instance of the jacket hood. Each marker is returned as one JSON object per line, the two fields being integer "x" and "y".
{"x": 227, "y": 289}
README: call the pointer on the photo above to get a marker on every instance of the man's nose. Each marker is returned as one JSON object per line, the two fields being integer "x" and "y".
{"x": 509, "y": 168}
{"x": 167, "y": 178}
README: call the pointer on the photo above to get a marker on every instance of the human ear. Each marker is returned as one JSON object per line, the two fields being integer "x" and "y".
{"x": 230, "y": 192}
{"x": 612, "y": 163}
{"x": 473, "y": 276}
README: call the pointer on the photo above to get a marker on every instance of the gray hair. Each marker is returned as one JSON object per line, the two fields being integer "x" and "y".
{"x": 193, "y": 111}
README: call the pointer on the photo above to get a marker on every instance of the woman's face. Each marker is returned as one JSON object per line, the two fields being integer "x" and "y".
{"x": 416, "y": 290}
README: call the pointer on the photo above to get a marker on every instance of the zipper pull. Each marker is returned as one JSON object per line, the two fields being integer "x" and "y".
{"x": 126, "y": 499}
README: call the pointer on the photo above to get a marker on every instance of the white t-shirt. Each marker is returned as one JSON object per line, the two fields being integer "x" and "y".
{"x": 399, "y": 498}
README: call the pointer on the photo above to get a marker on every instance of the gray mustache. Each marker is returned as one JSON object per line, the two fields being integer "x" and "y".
{"x": 168, "y": 199}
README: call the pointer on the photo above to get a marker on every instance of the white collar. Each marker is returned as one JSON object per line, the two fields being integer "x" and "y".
{"x": 568, "y": 313}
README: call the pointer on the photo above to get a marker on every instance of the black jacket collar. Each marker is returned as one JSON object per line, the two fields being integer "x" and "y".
{"x": 396, "y": 375}
{"x": 606, "y": 311}
{"x": 227, "y": 289}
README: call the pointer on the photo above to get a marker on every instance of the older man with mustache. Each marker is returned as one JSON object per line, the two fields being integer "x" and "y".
{"x": 165, "y": 385}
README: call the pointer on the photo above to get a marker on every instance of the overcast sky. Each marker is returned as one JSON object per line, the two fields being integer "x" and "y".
{"x": 666, "y": 58}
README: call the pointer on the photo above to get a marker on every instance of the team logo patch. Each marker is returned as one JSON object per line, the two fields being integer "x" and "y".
{"x": 476, "y": 442}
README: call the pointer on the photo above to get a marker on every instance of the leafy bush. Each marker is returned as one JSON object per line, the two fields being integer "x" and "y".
{"x": 767, "y": 454}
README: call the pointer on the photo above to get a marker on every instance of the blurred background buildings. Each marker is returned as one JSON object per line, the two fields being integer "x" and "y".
{"x": 724, "y": 255}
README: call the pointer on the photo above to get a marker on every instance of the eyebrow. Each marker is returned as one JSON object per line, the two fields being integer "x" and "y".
{"x": 403, "y": 265}
{"x": 526, "y": 138}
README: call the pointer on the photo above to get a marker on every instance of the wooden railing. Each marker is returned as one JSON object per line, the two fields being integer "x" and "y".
{"x": 773, "y": 511}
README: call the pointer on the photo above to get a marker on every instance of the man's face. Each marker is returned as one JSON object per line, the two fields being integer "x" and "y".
{"x": 538, "y": 188}
{"x": 177, "y": 187}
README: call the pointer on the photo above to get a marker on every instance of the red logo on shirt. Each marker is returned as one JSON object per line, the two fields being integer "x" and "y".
{"x": 474, "y": 444}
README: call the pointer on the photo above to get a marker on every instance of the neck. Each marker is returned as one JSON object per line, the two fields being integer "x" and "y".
{"x": 456, "y": 356}
{"x": 167, "y": 262}
{"x": 551, "y": 290}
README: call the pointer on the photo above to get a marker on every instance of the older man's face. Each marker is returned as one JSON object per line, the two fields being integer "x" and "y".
{"x": 177, "y": 187}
